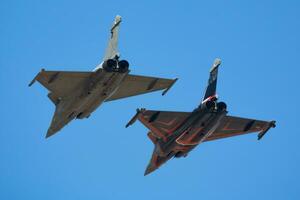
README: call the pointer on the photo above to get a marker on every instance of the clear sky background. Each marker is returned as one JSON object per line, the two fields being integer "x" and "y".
{"x": 258, "y": 42}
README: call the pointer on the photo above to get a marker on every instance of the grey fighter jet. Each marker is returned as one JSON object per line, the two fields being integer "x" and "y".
{"x": 175, "y": 134}
{"x": 77, "y": 94}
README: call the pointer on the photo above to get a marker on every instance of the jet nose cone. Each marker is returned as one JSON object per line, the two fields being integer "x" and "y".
{"x": 149, "y": 169}
{"x": 50, "y": 132}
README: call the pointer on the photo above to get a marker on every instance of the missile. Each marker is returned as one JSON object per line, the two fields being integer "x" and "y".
{"x": 34, "y": 79}
{"x": 271, "y": 124}
{"x": 166, "y": 90}
{"x": 134, "y": 118}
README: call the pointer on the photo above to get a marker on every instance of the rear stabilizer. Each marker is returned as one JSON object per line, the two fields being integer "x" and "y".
{"x": 112, "y": 47}
{"x": 211, "y": 88}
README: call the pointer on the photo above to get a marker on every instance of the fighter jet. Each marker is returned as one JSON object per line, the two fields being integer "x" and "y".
{"x": 175, "y": 134}
{"x": 76, "y": 94}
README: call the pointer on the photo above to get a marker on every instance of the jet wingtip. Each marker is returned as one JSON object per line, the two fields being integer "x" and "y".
{"x": 32, "y": 82}
{"x": 134, "y": 118}
{"x": 168, "y": 88}
{"x": 272, "y": 124}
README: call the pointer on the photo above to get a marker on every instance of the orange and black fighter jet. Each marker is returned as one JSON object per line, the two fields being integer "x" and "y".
{"x": 175, "y": 134}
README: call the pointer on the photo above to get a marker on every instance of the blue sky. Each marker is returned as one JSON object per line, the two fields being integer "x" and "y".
{"x": 258, "y": 42}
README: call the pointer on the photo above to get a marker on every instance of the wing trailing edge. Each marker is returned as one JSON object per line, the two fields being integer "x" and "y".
{"x": 134, "y": 85}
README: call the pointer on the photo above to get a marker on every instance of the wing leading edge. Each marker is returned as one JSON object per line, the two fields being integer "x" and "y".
{"x": 161, "y": 123}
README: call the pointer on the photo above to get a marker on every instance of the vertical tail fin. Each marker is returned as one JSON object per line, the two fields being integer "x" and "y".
{"x": 212, "y": 82}
{"x": 112, "y": 48}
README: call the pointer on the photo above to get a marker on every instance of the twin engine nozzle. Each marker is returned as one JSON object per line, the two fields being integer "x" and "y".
{"x": 113, "y": 65}
{"x": 213, "y": 105}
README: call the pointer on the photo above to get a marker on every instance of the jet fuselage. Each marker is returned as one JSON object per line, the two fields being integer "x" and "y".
{"x": 85, "y": 100}
{"x": 188, "y": 135}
